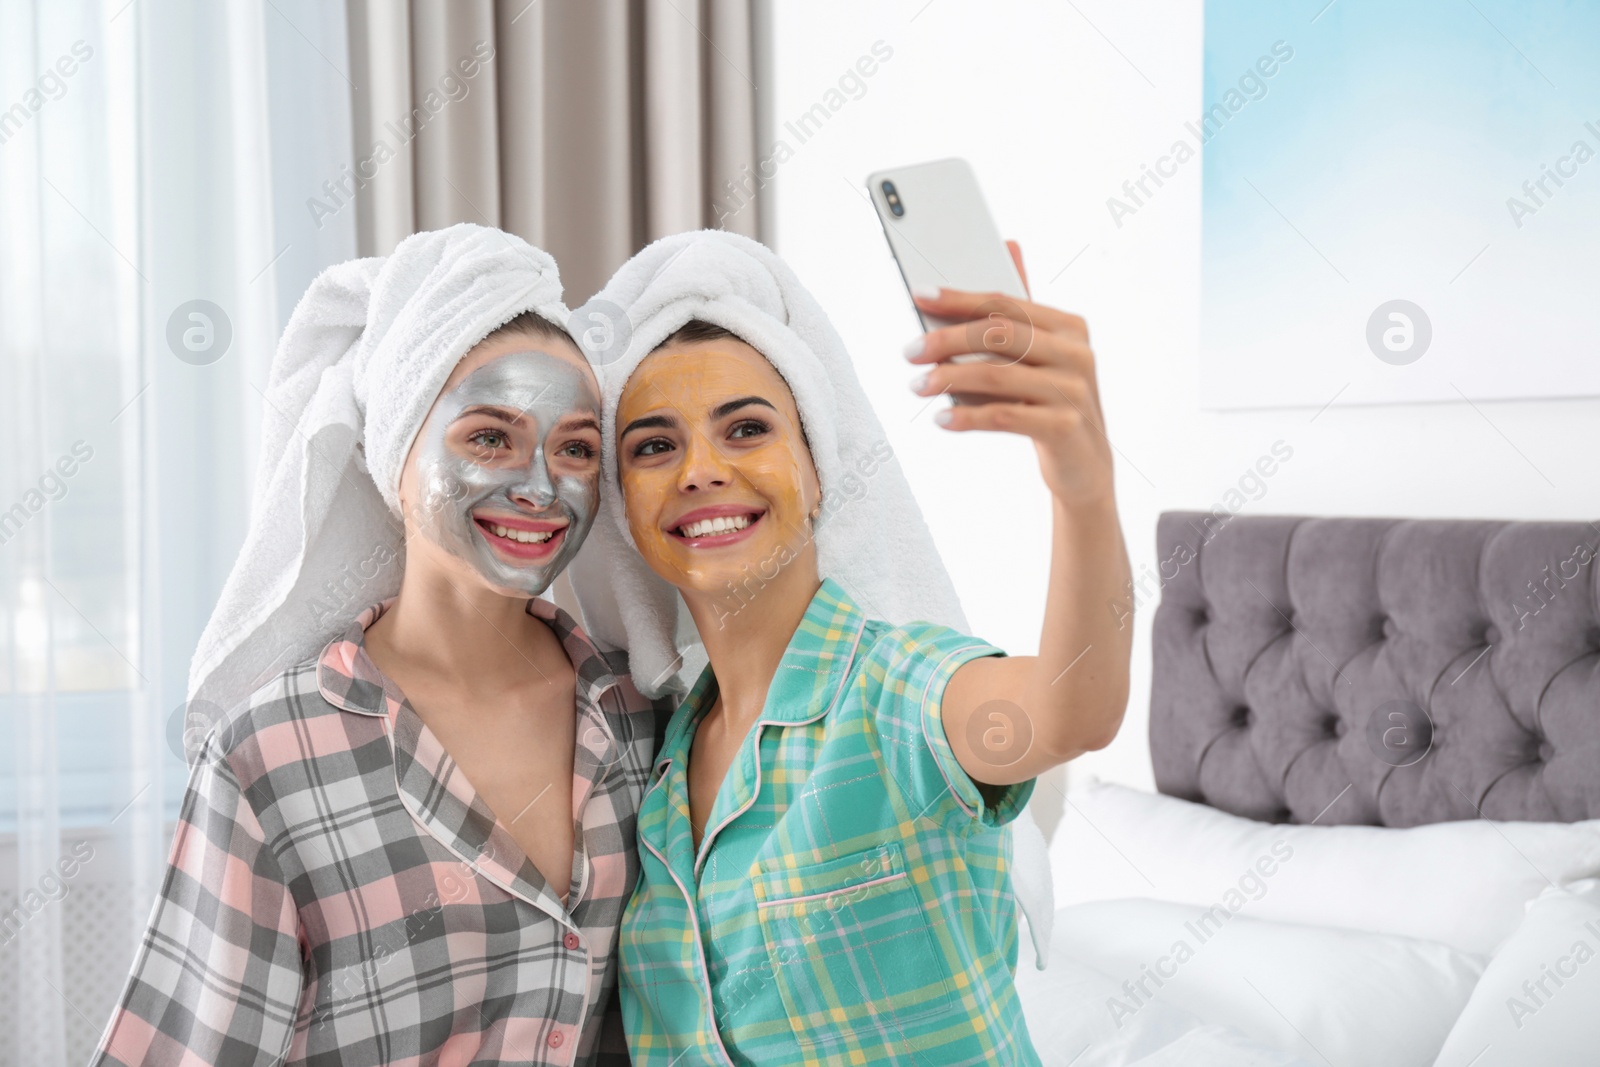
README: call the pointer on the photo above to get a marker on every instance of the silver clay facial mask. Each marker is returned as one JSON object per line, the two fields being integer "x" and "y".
{"x": 512, "y": 519}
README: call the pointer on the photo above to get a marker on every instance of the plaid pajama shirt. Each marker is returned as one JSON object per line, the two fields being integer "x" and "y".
{"x": 338, "y": 894}
{"x": 850, "y": 902}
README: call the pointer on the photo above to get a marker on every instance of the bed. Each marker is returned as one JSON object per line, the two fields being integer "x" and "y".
{"x": 1376, "y": 833}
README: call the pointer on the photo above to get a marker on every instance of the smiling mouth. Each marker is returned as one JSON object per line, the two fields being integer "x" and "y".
{"x": 718, "y": 529}
{"x": 522, "y": 541}
{"x": 526, "y": 537}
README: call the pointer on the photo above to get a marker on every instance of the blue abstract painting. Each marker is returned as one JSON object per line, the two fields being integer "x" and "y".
{"x": 1401, "y": 201}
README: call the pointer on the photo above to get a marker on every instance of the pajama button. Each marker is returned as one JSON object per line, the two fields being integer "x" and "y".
{"x": 554, "y": 1040}
{"x": 571, "y": 941}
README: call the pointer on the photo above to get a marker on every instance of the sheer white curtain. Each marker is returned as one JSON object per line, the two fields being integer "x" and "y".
{"x": 76, "y": 663}
{"x": 151, "y": 243}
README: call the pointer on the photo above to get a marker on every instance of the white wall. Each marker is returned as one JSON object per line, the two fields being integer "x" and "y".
{"x": 1056, "y": 104}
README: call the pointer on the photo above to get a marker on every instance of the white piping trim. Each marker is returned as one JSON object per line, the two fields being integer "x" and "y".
{"x": 562, "y": 917}
{"x": 704, "y": 850}
{"x": 925, "y": 736}
{"x": 832, "y": 892}
{"x": 703, "y": 970}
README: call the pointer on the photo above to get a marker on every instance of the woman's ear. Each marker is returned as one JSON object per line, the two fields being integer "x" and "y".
{"x": 410, "y": 510}
{"x": 816, "y": 485}
{"x": 406, "y": 491}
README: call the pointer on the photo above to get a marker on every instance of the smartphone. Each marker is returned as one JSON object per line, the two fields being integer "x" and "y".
{"x": 942, "y": 235}
{"x": 940, "y": 231}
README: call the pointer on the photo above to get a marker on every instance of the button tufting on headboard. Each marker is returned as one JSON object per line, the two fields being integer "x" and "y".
{"x": 1401, "y": 671}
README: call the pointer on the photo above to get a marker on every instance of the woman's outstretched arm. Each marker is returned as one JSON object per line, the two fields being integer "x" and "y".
{"x": 1034, "y": 712}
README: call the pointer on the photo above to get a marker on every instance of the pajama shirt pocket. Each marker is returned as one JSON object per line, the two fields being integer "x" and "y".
{"x": 852, "y": 947}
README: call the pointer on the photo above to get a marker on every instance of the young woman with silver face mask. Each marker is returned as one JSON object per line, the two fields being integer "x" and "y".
{"x": 415, "y": 844}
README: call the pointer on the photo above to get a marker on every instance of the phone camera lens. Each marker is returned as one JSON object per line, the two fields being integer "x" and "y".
{"x": 895, "y": 206}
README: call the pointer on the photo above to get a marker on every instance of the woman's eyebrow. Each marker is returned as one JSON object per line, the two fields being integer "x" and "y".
{"x": 660, "y": 422}
{"x": 510, "y": 416}
{"x": 579, "y": 422}
{"x": 731, "y": 406}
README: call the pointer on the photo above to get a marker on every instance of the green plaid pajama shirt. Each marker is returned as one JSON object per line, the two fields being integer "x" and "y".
{"x": 850, "y": 902}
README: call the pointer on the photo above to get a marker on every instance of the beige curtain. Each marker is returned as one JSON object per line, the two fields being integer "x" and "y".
{"x": 587, "y": 127}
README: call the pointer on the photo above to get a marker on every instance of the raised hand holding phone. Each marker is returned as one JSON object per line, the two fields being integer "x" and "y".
{"x": 1037, "y": 379}
{"x": 1024, "y": 368}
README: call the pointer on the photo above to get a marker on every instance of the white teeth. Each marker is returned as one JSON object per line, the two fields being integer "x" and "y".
{"x": 527, "y": 537}
{"x": 707, "y": 527}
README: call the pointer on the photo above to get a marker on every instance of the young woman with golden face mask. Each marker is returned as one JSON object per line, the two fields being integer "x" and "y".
{"x": 824, "y": 862}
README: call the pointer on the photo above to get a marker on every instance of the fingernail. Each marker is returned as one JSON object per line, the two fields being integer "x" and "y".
{"x": 919, "y": 384}
{"x": 943, "y": 416}
{"x": 915, "y": 347}
{"x": 925, "y": 292}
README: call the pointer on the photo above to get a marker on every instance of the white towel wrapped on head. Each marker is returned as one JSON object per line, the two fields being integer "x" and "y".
{"x": 870, "y": 537}
{"x": 360, "y": 363}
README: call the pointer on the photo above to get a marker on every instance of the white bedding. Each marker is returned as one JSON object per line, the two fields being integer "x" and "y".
{"x": 1460, "y": 883}
{"x": 1536, "y": 1003}
{"x": 1070, "y": 1026}
{"x": 1330, "y": 995}
{"x": 1307, "y": 944}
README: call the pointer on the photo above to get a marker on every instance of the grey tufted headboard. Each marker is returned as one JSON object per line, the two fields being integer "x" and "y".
{"x": 1381, "y": 671}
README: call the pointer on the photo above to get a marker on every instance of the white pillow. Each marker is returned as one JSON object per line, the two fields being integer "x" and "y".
{"x": 1334, "y": 996}
{"x": 1539, "y": 999}
{"x": 1460, "y": 883}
